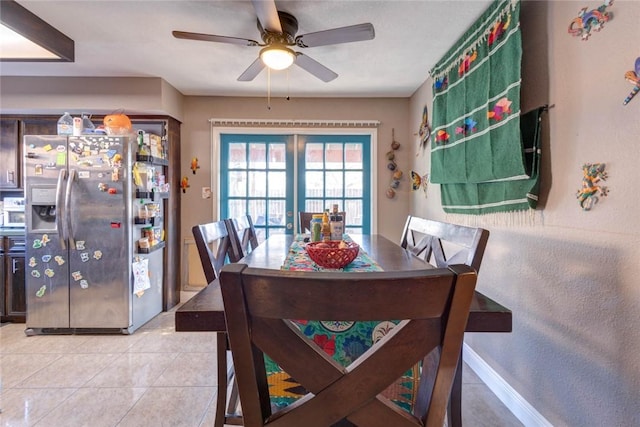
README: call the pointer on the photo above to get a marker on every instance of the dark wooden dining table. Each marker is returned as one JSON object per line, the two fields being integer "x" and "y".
{"x": 205, "y": 310}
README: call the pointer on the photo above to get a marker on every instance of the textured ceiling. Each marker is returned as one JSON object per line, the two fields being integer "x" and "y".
{"x": 133, "y": 38}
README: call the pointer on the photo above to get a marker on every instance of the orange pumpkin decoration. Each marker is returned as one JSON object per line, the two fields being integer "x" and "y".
{"x": 117, "y": 124}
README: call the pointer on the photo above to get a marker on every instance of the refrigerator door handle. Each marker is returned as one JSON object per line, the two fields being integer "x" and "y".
{"x": 61, "y": 177}
{"x": 67, "y": 212}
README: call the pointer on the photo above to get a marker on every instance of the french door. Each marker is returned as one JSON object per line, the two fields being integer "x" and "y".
{"x": 272, "y": 177}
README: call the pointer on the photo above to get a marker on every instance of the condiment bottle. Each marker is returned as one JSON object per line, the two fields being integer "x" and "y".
{"x": 336, "y": 224}
{"x": 326, "y": 228}
{"x": 316, "y": 227}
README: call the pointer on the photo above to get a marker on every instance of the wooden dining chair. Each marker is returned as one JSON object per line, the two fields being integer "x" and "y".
{"x": 214, "y": 248}
{"x": 304, "y": 219}
{"x": 434, "y": 303}
{"x": 243, "y": 236}
{"x": 443, "y": 244}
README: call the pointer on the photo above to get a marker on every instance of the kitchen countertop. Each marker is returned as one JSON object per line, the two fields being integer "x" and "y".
{"x": 8, "y": 231}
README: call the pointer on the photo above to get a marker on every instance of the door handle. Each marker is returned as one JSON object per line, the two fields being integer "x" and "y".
{"x": 14, "y": 266}
{"x": 67, "y": 212}
{"x": 61, "y": 176}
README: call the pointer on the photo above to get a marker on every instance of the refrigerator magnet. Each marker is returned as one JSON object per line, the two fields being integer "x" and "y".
{"x": 84, "y": 256}
{"x": 112, "y": 191}
{"x": 76, "y": 275}
{"x": 49, "y": 273}
{"x": 35, "y": 273}
{"x": 84, "y": 284}
{"x": 32, "y": 262}
{"x": 46, "y": 258}
{"x": 59, "y": 260}
{"x": 97, "y": 255}
{"x": 80, "y": 245}
{"x": 41, "y": 291}
{"x": 102, "y": 187}
{"x": 38, "y": 169}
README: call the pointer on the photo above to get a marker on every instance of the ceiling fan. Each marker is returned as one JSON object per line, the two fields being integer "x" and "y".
{"x": 278, "y": 31}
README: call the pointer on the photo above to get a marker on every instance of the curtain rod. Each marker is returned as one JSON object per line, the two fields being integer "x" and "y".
{"x": 297, "y": 123}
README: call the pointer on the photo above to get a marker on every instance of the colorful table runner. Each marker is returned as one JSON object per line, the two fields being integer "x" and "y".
{"x": 298, "y": 259}
{"x": 344, "y": 341}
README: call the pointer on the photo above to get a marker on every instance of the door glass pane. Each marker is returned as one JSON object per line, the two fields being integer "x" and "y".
{"x": 277, "y": 156}
{"x": 334, "y": 184}
{"x": 354, "y": 182}
{"x": 354, "y": 211}
{"x": 258, "y": 212}
{"x": 237, "y": 184}
{"x": 314, "y": 156}
{"x": 238, "y": 155}
{"x": 277, "y": 184}
{"x": 276, "y": 212}
{"x": 353, "y": 156}
{"x": 314, "y": 184}
{"x": 314, "y": 206}
{"x": 257, "y": 184}
{"x": 237, "y": 207}
{"x": 257, "y": 156}
{"x": 333, "y": 155}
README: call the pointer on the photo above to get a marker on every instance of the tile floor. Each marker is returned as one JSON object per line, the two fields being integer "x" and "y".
{"x": 154, "y": 377}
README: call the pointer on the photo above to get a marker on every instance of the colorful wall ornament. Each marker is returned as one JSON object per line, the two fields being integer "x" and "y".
{"x": 633, "y": 77}
{"x": 396, "y": 174}
{"x": 592, "y": 20}
{"x": 592, "y": 174}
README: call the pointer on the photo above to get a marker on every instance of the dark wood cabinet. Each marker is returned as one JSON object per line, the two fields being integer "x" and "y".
{"x": 39, "y": 126}
{"x": 14, "y": 300}
{"x": 10, "y": 178}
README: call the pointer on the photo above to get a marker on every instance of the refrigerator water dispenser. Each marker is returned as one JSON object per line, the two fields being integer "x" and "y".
{"x": 43, "y": 208}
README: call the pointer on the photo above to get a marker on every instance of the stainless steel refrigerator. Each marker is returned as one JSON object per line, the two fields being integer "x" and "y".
{"x": 81, "y": 251}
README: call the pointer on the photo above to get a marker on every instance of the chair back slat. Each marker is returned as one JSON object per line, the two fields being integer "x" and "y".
{"x": 214, "y": 247}
{"x": 243, "y": 236}
{"x": 443, "y": 243}
{"x": 434, "y": 303}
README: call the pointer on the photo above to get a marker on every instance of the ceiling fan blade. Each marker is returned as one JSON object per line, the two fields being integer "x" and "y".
{"x": 314, "y": 67}
{"x": 352, "y": 33}
{"x": 253, "y": 70}
{"x": 268, "y": 15}
{"x": 213, "y": 38}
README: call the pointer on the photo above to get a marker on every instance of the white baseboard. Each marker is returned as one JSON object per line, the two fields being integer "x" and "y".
{"x": 526, "y": 413}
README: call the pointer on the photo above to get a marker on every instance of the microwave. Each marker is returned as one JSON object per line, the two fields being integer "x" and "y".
{"x": 13, "y": 215}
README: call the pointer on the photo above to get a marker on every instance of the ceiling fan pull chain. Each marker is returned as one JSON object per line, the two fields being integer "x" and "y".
{"x": 268, "y": 88}
{"x": 288, "y": 86}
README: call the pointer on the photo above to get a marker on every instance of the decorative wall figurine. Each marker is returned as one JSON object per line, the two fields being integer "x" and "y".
{"x": 393, "y": 167}
{"x": 593, "y": 20}
{"x": 592, "y": 174}
{"x": 184, "y": 184}
{"x": 633, "y": 77}
{"x": 419, "y": 181}
{"x": 425, "y": 130}
{"x": 194, "y": 165}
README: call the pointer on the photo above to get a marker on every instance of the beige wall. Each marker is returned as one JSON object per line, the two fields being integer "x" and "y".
{"x": 196, "y": 142}
{"x": 95, "y": 95}
{"x": 572, "y": 280}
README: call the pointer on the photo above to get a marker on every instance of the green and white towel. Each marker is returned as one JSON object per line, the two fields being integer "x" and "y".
{"x": 484, "y": 153}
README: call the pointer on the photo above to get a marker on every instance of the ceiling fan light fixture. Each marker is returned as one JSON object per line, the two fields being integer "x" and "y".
{"x": 277, "y": 57}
